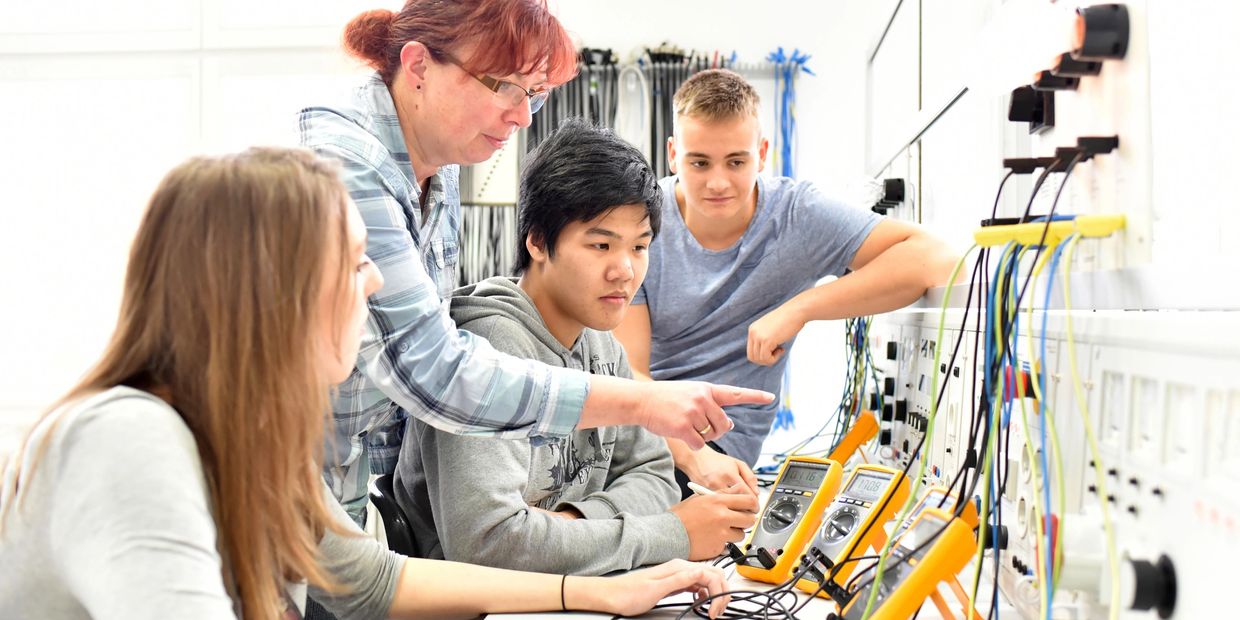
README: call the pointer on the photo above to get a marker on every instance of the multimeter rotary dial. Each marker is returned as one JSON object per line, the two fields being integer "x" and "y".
{"x": 840, "y": 524}
{"x": 781, "y": 515}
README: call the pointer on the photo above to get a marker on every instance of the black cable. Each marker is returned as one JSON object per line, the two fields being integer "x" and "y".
{"x": 995, "y": 211}
{"x": 904, "y": 558}
{"x": 921, "y": 443}
{"x": 961, "y": 475}
{"x": 1050, "y": 217}
{"x": 773, "y": 596}
{"x": 1038, "y": 185}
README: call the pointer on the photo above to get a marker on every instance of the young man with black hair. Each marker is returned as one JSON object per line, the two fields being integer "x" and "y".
{"x": 604, "y": 499}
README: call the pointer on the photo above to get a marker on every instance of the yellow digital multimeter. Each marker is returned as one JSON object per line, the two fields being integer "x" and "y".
{"x": 854, "y": 523}
{"x": 936, "y": 547}
{"x": 863, "y": 430}
{"x": 804, "y": 488}
{"x": 940, "y": 497}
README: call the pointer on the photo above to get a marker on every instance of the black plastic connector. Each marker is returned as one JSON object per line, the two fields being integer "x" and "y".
{"x": 1037, "y": 108}
{"x": 1102, "y": 32}
{"x": 901, "y": 410}
{"x": 893, "y": 350}
{"x": 1097, "y": 145}
{"x": 999, "y": 533}
{"x": 734, "y": 551}
{"x": 893, "y": 196}
{"x": 766, "y": 558}
{"x": 893, "y": 190}
{"x": 1155, "y": 587}
{"x": 1065, "y": 155}
{"x": 1027, "y": 165}
{"x": 1045, "y": 80}
{"x": 1007, "y": 221}
{"x": 1066, "y": 65}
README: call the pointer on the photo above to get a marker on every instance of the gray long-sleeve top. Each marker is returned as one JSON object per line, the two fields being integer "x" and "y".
{"x": 117, "y": 523}
{"x": 470, "y": 499}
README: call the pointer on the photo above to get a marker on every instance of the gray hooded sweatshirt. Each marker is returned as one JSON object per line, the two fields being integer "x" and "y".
{"x": 472, "y": 499}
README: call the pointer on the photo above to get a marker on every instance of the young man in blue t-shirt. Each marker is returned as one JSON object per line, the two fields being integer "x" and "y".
{"x": 731, "y": 277}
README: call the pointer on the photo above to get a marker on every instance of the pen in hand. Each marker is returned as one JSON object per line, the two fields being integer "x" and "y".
{"x": 699, "y": 489}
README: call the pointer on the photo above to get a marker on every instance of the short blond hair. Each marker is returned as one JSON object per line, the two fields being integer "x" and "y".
{"x": 714, "y": 95}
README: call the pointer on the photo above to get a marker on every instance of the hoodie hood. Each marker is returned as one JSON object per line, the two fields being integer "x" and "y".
{"x": 501, "y": 297}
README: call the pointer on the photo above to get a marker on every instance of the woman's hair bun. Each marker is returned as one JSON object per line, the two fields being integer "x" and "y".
{"x": 368, "y": 34}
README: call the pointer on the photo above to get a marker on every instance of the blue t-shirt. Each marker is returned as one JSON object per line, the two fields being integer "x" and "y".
{"x": 702, "y": 302}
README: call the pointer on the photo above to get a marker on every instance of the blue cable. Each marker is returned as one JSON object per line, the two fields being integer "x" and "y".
{"x": 1046, "y": 487}
{"x": 785, "y": 70}
{"x": 784, "y": 418}
{"x": 988, "y": 350}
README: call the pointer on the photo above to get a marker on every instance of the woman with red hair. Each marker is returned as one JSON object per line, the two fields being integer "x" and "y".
{"x": 453, "y": 82}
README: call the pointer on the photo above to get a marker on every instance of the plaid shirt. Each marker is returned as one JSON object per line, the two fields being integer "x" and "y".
{"x": 413, "y": 360}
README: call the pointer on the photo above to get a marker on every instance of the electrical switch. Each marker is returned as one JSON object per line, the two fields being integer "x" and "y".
{"x": 1151, "y": 586}
{"x": 1037, "y": 108}
{"x": 1101, "y": 32}
{"x": 1069, "y": 66}
{"x": 1045, "y": 80}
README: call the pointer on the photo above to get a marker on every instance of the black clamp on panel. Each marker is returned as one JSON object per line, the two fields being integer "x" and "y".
{"x": 1101, "y": 32}
{"x": 1034, "y": 107}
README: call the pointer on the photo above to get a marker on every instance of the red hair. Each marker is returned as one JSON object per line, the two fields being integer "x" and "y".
{"x": 512, "y": 36}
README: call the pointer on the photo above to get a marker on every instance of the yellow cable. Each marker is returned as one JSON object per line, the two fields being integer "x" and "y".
{"x": 1046, "y": 583}
{"x": 1081, "y": 403}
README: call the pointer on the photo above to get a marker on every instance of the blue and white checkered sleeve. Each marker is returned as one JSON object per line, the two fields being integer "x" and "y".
{"x": 416, "y": 356}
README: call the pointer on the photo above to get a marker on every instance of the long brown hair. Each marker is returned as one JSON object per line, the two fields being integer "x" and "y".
{"x": 220, "y": 305}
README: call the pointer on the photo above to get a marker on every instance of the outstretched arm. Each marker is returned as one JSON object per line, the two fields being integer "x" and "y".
{"x": 431, "y": 588}
{"x": 705, "y": 466}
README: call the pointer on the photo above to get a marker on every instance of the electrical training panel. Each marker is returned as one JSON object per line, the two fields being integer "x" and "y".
{"x": 1098, "y": 339}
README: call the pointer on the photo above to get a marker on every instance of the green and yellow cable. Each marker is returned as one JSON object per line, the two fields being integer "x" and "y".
{"x": 926, "y": 441}
{"x": 1082, "y": 403}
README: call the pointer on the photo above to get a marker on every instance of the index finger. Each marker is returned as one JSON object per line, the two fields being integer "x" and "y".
{"x": 725, "y": 395}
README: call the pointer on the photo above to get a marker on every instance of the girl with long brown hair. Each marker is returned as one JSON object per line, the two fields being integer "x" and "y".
{"x": 181, "y": 477}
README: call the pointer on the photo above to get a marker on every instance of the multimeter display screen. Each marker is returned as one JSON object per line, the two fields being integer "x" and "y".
{"x": 867, "y": 487}
{"x": 809, "y": 477}
{"x": 899, "y": 566}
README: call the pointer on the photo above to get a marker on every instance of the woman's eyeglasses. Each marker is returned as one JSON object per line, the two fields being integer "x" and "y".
{"x": 507, "y": 94}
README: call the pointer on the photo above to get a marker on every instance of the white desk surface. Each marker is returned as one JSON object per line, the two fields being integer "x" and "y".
{"x": 817, "y": 609}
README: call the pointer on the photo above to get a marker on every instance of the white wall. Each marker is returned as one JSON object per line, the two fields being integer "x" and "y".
{"x": 98, "y": 100}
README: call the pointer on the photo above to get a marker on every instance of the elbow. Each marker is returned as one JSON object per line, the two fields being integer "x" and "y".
{"x": 936, "y": 258}
{"x": 501, "y": 545}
